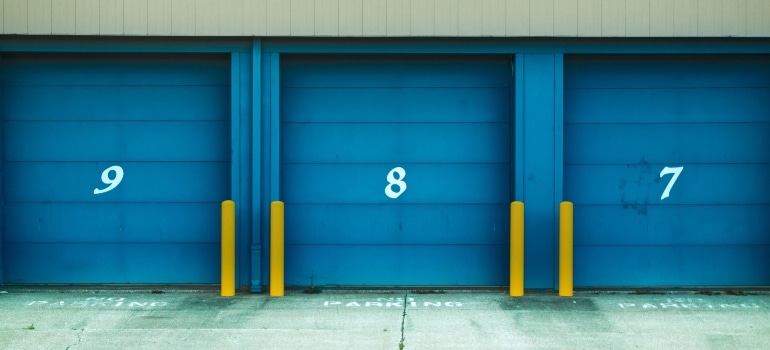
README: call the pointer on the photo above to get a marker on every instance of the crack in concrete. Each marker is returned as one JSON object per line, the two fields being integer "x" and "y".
{"x": 80, "y": 339}
{"x": 403, "y": 319}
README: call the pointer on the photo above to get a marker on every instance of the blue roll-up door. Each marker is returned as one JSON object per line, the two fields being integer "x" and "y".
{"x": 666, "y": 160}
{"x": 114, "y": 167}
{"x": 396, "y": 169}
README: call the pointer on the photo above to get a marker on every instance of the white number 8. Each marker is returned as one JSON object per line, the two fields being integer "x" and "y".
{"x": 393, "y": 181}
{"x": 112, "y": 182}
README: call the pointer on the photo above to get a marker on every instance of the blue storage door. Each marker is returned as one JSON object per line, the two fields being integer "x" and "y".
{"x": 666, "y": 160}
{"x": 396, "y": 170}
{"x": 114, "y": 167}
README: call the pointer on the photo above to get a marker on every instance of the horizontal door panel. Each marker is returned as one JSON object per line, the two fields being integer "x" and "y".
{"x": 396, "y": 142}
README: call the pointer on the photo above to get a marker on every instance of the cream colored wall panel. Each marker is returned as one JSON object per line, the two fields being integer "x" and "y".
{"x": 231, "y": 17}
{"x": 15, "y": 17}
{"x": 734, "y": 18}
{"x": 493, "y": 18}
{"x": 207, "y": 17}
{"x": 590, "y": 18}
{"x": 135, "y": 17}
{"x": 278, "y": 18}
{"x": 661, "y": 18}
{"x": 87, "y": 17}
{"x": 686, "y": 18}
{"x": 446, "y": 22}
{"x": 758, "y": 18}
{"x": 182, "y": 17}
{"x": 351, "y": 17}
{"x": 565, "y": 17}
{"x": 39, "y": 17}
{"x": 111, "y": 17}
{"x": 374, "y": 20}
{"x": 63, "y": 22}
{"x": 327, "y": 21}
{"x": 398, "y": 18}
{"x": 159, "y": 17}
{"x": 541, "y": 17}
{"x": 469, "y": 18}
{"x": 421, "y": 17}
{"x": 638, "y": 18}
{"x": 613, "y": 18}
{"x": 710, "y": 17}
{"x": 302, "y": 17}
{"x": 255, "y": 17}
{"x": 517, "y": 18}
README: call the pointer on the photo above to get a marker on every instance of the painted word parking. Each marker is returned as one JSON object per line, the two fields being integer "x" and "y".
{"x": 688, "y": 303}
{"x": 393, "y": 303}
{"x": 99, "y": 302}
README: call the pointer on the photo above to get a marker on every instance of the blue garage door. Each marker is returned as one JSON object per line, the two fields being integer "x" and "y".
{"x": 667, "y": 159}
{"x": 396, "y": 170}
{"x": 114, "y": 166}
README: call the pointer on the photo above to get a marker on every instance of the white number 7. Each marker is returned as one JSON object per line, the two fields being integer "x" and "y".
{"x": 676, "y": 171}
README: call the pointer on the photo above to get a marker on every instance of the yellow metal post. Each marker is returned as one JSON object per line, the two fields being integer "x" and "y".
{"x": 517, "y": 249}
{"x": 565, "y": 248}
{"x": 276, "y": 248}
{"x": 228, "y": 249}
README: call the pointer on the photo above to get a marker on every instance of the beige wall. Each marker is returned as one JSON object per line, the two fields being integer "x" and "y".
{"x": 392, "y": 18}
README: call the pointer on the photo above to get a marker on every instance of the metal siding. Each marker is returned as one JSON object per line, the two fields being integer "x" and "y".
{"x": 613, "y": 18}
{"x": 182, "y": 18}
{"x": 75, "y": 116}
{"x": 349, "y": 120}
{"x": 469, "y": 18}
{"x": 517, "y": 17}
{"x": 421, "y": 17}
{"x": 446, "y": 18}
{"x": 626, "y": 118}
{"x": 278, "y": 17}
{"x": 398, "y": 18}
{"x": 302, "y": 18}
{"x": 351, "y": 14}
{"x": 64, "y": 22}
{"x": 757, "y": 22}
{"x": 111, "y": 17}
{"x": 159, "y": 17}
{"x": 710, "y": 17}
{"x": 39, "y": 16}
{"x": 590, "y": 17}
{"x": 565, "y": 17}
{"x": 231, "y": 18}
{"x": 327, "y": 21}
{"x": 734, "y": 18}
{"x": 135, "y": 17}
{"x": 541, "y": 17}
{"x": 255, "y": 17}
{"x": 661, "y": 18}
{"x": 374, "y": 18}
{"x": 15, "y": 17}
{"x": 207, "y": 17}
{"x": 686, "y": 18}
{"x": 87, "y": 17}
{"x": 493, "y": 18}
{"x": 638, "y": 18}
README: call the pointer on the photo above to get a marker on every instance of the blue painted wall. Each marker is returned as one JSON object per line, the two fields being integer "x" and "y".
{"x": 545, "y": 153}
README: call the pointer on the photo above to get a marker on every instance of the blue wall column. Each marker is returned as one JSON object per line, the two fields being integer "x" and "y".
{"x": 538, "y": 163}
{"x": 256, "y": 172}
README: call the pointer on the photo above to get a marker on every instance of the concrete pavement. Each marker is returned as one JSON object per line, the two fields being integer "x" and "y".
{"x": 200, "y": 319}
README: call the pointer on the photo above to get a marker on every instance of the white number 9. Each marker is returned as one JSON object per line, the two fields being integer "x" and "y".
{"x": 112, "y": 182}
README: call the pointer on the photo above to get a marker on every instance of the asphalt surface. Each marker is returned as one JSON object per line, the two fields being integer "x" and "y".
{"x": 201, "y": 319}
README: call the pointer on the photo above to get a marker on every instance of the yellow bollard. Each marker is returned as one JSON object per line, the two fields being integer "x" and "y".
{"x": 517, "y": 249}
{"x": 276, "y": 248}
{"x": 228, "y": 249}
{"x": 565, "y": 248}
